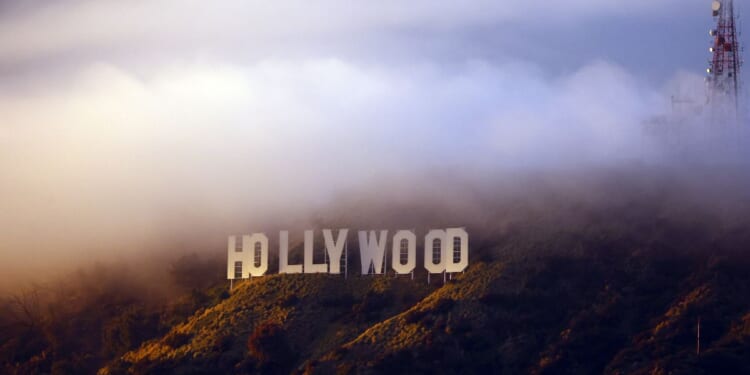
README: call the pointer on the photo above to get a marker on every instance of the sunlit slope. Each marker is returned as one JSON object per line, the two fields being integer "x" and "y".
{"x": 594, "y": 309}
{"x": 316, "y": 313}
{"x": 574, "y": 283}
{"x": 633, "y": 314}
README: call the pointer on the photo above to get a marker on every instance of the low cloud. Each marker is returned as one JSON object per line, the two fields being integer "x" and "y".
{"x": 109, "y": 161}
{"x": 135, "y": 126}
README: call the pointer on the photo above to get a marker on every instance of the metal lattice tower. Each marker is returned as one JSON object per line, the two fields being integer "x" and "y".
{"x": 726, "y": 61}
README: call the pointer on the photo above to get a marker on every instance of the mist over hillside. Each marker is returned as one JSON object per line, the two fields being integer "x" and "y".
{"x": 590, "y": 242}
{"x": 486, "y": 202}
{"x": 108, "y": 161}
{"x": 604, "y": 186}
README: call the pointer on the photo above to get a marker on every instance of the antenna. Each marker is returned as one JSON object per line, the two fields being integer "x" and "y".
{"x": 726, "y": 61}
{"x": 698, "y": 338}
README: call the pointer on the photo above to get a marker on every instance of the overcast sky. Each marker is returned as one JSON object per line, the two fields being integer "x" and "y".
{"x": 650, "y": 38}
{"x": 137, "y": 119}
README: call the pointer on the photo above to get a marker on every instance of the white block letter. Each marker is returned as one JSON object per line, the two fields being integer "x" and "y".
{"x": 310, "y": 266}
{"x": 238, "y": 260}
{"x": 257, "y": 247}
{"x": 284, "y": 266}
{"x": 453, "y": 236}
{"x": 404, "y": 240}
{"x": 434, "y": 242}
{"x": 335, "y": 248}
{"x": 372, "y": 250}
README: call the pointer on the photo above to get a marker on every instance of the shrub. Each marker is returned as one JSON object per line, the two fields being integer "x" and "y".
{"x": 176, "y": 339}
{"x": 269, "y": 346}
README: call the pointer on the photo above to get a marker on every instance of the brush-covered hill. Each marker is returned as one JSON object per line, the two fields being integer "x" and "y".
{"x": 614, "y": 312}
{"x": 583, "y": 276}
{"x": 566, "y": 282}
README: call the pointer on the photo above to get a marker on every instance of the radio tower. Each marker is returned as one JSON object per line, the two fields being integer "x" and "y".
{"x": 724, "y": 71}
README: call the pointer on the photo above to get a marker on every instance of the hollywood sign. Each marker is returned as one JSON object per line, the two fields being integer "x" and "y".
{"x": 445, "y": 251}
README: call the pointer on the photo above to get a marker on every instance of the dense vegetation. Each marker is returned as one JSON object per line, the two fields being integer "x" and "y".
{"x": 78, "y": 324}
{"x": 561, "y": 281}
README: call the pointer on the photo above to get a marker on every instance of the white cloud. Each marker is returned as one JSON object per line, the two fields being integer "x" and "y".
{"x": 105, "y": 155}
{"x": 110, "y": 154}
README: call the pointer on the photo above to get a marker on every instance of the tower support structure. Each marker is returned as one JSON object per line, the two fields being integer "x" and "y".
{"x": 726, "y": 60}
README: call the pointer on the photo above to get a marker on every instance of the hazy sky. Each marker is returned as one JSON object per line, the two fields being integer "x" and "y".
{"x": 127, "y": 121}
{"x": 650, "y": 38}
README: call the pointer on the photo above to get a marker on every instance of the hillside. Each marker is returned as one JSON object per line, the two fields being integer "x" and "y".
{"x": 561, "y": 314}
{"x": 577, "y": 287}
{"x": 613, "y": 279}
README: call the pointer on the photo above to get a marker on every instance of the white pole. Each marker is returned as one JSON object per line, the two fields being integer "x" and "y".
{"x": 346, "y": 260}
{"x": 385, "y": 262}
{"x": 698, "y": 339}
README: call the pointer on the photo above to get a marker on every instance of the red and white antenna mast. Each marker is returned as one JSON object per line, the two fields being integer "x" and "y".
{"x": 726, "y": 61}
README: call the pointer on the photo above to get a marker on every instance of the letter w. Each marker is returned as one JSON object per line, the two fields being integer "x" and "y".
{"x": 372, "y": 250}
